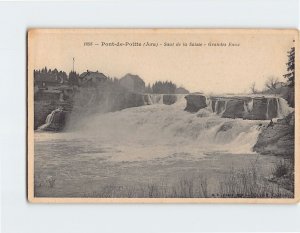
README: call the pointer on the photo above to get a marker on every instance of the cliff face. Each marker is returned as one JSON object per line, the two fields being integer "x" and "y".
{"x": 234, "y": 109}
{"x": 250, "y": 108}
{"x": 263, "y": 109}
{"x": 195, "y": 102}
{"x": 279, "y": 139}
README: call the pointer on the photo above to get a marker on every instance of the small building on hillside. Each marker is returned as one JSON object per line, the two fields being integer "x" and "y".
{"x": 90, "y": 78}
{"x": 133, "y": 83}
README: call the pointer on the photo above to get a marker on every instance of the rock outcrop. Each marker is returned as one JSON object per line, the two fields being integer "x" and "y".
{"x": 57, "y": 120}
{"x": 250, "y": 108}
{"x": 194, "y": 103}
{"x": 41, "y": 111}
{"x": 234, "y": 109}
{"x": 262, "y": 109}
{"x": 277, "y": 139}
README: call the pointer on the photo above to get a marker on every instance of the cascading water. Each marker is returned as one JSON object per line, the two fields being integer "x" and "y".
{"x": 209, "y": 104}
{"x": 221, "y": 107}
{"x": 158, "y": 143}
{"x": 216, "y": 106}
{"x": 250, "y": 105}
{"x": 268, "y": 105}
{"x": 158, "y": 130}
{"x": 283, "y": 108}
{"x": 169, "y": 125}
{"x": 150, "y": 99}
{"x": 267, "y": 108}
{"x": 49, "y": 119}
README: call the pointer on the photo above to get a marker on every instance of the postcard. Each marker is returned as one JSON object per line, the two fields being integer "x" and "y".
{"x": 163, "y": 116}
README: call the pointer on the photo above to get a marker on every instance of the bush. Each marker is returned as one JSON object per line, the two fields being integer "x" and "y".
{"x": 281, "y": 169}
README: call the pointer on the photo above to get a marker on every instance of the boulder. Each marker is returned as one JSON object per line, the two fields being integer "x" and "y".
{"x": 195, "y": 102}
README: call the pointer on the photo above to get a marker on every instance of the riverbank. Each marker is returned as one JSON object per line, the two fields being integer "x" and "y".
{"x": 277, "y": 138}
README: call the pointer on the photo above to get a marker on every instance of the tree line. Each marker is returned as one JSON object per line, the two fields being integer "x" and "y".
{"x": 165, "y": 87}
{"x": 50, "y": 75}
{"x": 159, "y": 87}
{"x": 274, "y": 86}
{"x": 272, "y": 82}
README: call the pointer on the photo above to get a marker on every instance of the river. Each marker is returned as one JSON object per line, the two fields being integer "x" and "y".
{"x": 137, "y": 147}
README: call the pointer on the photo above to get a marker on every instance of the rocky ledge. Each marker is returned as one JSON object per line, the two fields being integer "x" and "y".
{"x": 277, "y": 139}
{"x": 251, "y": 108}
{"x": 195, "y": 102}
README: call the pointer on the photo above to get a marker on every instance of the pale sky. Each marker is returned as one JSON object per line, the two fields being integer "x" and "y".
{"x": 209, "y": 69}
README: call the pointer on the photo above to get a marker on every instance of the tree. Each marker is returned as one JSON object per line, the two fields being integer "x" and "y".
{"x": 290, "y": 76}
{"x": 271, "y": 83}
{"x": 253, "y": 88}
{"x": 73, "y": 78}
{"x": 148, "y": 89}
{"x": 166, "y": 87}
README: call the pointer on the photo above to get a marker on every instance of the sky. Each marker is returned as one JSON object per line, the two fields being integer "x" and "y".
{"x": 256, "y": 56}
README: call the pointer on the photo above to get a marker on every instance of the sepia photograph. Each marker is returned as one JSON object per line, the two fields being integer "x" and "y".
{"x": 162, "y": 115}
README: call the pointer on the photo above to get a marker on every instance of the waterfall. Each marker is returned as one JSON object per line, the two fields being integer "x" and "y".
{"x": 216, "y": 106}
{"x": 161, "y": 97}
{"x": 161, "y": 124}
{"x": 283, "y": 109}
{"x": 180, "y": 101}
{"x": 158, "y": 123}
{"x": 267, "y": 112}
{"x": 250, "y": 105}
{"x": 147, "y": 100}
{"x": 150, "y": 99}
{"x": 155, "y": 99}
{"x": 209, "y": 104}
{"x": 219, "y": 107}
{"x": 246, "y": 108}
{"x": 252, "y": 108}
{"x": 224, "y": 108}
{"x": 49, "y": 119}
